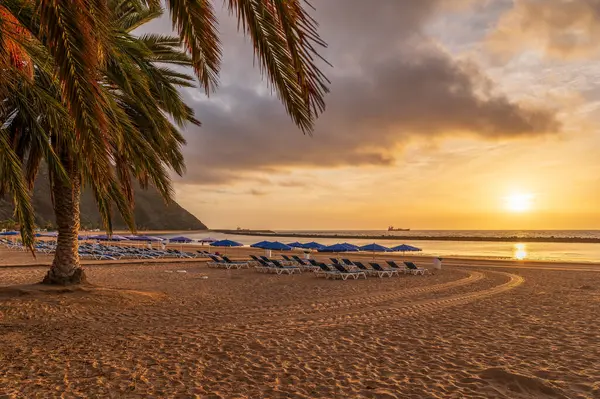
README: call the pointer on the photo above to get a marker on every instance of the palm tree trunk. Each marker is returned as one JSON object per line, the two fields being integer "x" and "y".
{"x": 66, "y": 269}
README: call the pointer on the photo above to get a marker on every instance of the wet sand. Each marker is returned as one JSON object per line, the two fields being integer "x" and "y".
{"x": 477, "y": 329}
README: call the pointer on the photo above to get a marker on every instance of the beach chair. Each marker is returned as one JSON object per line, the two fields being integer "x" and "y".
{"x": 380, "y": 269}
{"x": 305, "y": 265}
{"x": 222, "y": 263}
{"x": 264, "y": 267}
{"x": 288, "y": 259}
{"x": 280, "y": 268}
{"x": 241, "y": 263}
{"x": 348, "y": 262}
{"x": 326, "y": 272}
{"x": 414, "y": 269}
{"x": 368, "y": 272}
{"x": 314, "y": 263}
{"x": 335, "y": 261}
{"x": 345, "y": 273}
{"x": 395, "y": 266}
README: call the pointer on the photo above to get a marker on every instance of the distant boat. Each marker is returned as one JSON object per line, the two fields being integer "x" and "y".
{"x": 391, "y": 228}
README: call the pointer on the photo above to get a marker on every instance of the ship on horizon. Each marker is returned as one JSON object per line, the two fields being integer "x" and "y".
{"x": 391, "y": 228}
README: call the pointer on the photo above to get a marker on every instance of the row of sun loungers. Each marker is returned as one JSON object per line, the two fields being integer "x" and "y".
{"x": 339, "y": 269}
{"x": 111, "y": 252}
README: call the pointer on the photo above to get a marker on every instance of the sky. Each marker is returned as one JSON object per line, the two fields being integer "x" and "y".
{"x": 443, "y": 114}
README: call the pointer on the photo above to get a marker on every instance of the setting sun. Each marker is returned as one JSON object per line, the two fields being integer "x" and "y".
{"x": 519, "y": 202}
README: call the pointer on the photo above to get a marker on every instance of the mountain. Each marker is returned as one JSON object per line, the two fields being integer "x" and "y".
{"x": 151, "y": 212}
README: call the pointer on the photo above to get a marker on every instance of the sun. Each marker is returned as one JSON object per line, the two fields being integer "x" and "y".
{"x": 519, "y": 202}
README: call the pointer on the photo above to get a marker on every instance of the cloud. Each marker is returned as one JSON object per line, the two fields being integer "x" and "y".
{"x": 559, "y": 28}
{"x": 391, "y": 82}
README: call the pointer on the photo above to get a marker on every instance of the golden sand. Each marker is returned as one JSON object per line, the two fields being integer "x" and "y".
{"x": 474, "y": 330}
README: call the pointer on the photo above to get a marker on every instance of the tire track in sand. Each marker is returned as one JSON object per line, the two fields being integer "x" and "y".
{"x": 373, "y": 314}
{"x": 351, "y": 302}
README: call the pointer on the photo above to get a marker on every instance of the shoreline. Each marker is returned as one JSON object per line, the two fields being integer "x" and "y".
{"x": 573, "y": 240}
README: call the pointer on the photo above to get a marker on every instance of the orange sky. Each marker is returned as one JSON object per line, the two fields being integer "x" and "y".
{"x": 437, "y": 114}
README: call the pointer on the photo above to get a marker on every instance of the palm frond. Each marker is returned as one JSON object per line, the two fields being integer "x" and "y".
{"x": 13, "y": 182}
{"x": 75, "y": 32}
{"x": 285, "y": 40}
{"x": 196, "y": 24}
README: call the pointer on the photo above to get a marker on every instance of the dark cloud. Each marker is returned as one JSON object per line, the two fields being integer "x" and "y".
{"x": 390, "y": 82}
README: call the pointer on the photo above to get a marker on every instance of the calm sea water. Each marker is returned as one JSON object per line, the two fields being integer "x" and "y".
{"x": 573, "y": 252}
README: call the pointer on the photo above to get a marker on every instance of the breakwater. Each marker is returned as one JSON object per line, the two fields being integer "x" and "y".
{"x": 267, "y": 233}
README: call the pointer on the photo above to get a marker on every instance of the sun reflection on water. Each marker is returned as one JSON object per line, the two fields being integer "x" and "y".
{"x": 520, "y": 251}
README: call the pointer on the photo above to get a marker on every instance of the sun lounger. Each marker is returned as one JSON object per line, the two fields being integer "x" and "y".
{"x": 345, "y": 273}
{"x": 325, "y": 271}
{"x": 348, "y": 262}
{"x": 335, "y": 261}
{"x": 264, "y": 267}
{"x": 288, "y": 259}
{"x": 368, "y": 272}
{"x": 382, "y": 271}
{"x": 280, "y": 268}
{"x": 395, "y": 266}
{"x": 241, "y": 263}
{"x": 222, "y": 263}
{"x": 414, "y": 269}
{"x": 276, "y": 267}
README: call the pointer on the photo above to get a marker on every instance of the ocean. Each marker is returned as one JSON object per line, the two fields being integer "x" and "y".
{"x": 569, "y": 252}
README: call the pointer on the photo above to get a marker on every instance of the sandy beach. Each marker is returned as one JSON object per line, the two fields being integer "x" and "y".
{"x": 476, "y": 329}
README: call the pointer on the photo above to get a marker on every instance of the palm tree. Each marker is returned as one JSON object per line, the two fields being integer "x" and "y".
{"x": 89, "y": 97}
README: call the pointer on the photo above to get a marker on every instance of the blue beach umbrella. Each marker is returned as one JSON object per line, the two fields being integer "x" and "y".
{"x": 313, "y": 245}
{"x": 260, "y": 244}
{"x": 277, "y": 246}
{"x": 406, "y": 248}
{"x": 9, "y": 233}
{"x": 149, "y": 238}
{"x": 375, "y": 248}
{"x": 226, "y": 243}
{"x": 181, "y": 239}
{"x": 340, "y": 248}
{"x": 48, "y": 234}
{"x": 296, "y": 245}
{"x": 98, "y": 237}
{"x": 115, "y": 237}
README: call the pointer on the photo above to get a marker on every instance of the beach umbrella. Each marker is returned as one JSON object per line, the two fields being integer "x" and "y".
{"x": 9, "y": 233}
{"x": 340, "y": 248}
{"x": 296, "y": 245}
{"x": 148, "y": 238}
{"x": 226, "y": 243}
{"x": 49, "y": 234}
{"x": 101, "y": 237}
{"x": 374, "y": 248}
{"x": 260, "y": 244}
{"x": 277, "y": 246}
{"x": 181, "y": 239}
{"x": 406, "y": 248}
{"x": 351, "y": 246}
{"x": 115, "y": 237}
{"x": 104, "y": 237}
{"x": 313, "y": 245}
